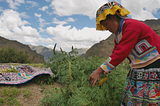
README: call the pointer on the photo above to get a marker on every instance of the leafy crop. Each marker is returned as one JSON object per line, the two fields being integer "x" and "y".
{"x": 73, "y": 71}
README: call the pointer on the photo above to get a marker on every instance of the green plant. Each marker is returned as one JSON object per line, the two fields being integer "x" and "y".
{"x": 26, "y": 92}
{"x": 78, "y": 92}
{"x": 10, "y": 92}
{"x": 9, "y": 96}
{"x": 68, "y": 84}
{"x": 42, "y": 87}
{"x": 2, "y": 101}
{"x": 13, "y": 101}
{"x": 11, "y": 55}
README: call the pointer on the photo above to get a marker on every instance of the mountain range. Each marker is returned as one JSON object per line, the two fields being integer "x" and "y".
{"x": 48, "y": 52}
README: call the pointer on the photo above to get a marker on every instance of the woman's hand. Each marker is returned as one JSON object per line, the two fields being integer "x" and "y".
{"x": 95, "y": 75}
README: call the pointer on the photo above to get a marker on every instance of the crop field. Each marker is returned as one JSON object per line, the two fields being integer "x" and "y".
{"x": 69, "y": 85}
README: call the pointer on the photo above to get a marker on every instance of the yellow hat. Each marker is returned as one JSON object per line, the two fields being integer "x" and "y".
{"x": 106, "y": 9}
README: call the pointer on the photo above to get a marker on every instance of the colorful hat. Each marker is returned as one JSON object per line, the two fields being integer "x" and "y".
{"x": 106, "y": 9}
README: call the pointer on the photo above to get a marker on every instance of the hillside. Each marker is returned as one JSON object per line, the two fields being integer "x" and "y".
{"x": 4, "y": 43}
{"x": 81, "y": 51}
{"x": 101, "y": 49}
{"x": 46, "y": 52}
{"x": 104, "y": 48}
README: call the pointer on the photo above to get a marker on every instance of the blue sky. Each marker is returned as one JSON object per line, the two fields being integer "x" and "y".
{"x": 65, "y": 22}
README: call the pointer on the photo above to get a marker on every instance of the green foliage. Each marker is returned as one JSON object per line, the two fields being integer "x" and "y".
{"x": 59, "y": 63}
{"x": 26, "y": 92}
{"x": 11, "y": 55}
{"x": 2, "y": 101}
{"x": 43, "y": 79}
{"x": 10, "y": 92}
{"x": 68, "y": 84}
{"x": 77, "y": 91}
{"x": 8, "y": 96}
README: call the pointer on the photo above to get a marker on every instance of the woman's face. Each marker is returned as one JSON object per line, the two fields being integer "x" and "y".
{"x": 111, "y": 24}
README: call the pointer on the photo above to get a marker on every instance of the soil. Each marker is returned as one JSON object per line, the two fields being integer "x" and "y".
{"x": 37, "y": 93}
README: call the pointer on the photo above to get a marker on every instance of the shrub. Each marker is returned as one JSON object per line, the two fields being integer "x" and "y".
{"x": 11, "y": 55}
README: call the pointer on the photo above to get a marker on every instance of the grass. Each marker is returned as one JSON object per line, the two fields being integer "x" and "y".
{"x": 8, "y": 96}
{"x": 26, "y": 92}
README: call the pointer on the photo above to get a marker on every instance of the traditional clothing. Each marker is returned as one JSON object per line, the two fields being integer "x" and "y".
{"x": 140, "y": 44}
{"x": 134, "y": 40}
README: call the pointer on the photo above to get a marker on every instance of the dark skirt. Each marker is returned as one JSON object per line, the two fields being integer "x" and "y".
{"x": 142, "y": 86}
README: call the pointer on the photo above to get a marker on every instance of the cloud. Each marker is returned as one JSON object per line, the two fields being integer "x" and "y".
{"x": 13, "y": 27}
{"x": 56, "y": 21}
{"x": 34, "y": 40}
{"x": 65, "y": 36}
{"x": 48, "y": 0}
{"x": 15, "y": 3}
{"x": 141, "y": 9}
{"x": 71, "y": 7}
{"x": 70, "y": 19}
{"x": 42, "y": 21}
{"x": 43, "y": 8}
{"x": 33, "y": 4}
{"x": 37, "y": 15}
{"x": 24, "y": 15}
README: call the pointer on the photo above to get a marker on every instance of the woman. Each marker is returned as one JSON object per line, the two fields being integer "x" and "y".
{"x": 140, "y": 44}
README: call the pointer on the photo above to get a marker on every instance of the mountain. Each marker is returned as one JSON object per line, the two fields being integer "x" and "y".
{"x": 4, "y": 43}
{"x": 81, "y": 51}
{"x": 104, "y": 48}
{"x": 154, "y": 24}
{"x": 47, "y": 52}
{"x": 101, "y": 49}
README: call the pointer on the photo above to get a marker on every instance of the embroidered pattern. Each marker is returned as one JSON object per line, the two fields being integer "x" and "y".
{"x": 107, "y": 6}
{"x": 142, "y": 46}
{"x": 145, "y": 56}
{"x": 107, "y": 66}
{"x": 142, "y": 86}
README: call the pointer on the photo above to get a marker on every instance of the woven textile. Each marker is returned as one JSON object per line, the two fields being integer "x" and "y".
{"x": 20, "y": 74}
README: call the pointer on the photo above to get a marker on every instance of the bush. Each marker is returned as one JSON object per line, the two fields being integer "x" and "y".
{"x": 11, "y": 55}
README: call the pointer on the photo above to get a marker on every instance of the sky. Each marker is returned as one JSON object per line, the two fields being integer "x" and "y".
{"x": 66, "y": 23}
